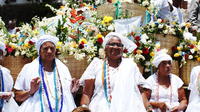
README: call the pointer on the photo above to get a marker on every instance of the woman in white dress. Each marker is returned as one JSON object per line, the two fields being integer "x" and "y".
{"x": 111, "y": 84}
{"x": 44, "y": 85}
{"x": 194, "y": 87}
{"x": 166, "y": 93}
{"x": 7, "y": 103}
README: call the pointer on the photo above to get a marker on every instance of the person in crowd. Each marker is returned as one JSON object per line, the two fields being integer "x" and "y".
{"x": 111, "y": 84}
{"x": 12, "y": 26}
{"x": 194, "y": 13}
{"x": 45, "y": 84}
{"x": 194, "y": 87}
{"x": 166, "y": 92}
{"x": 7, "y": 103}
{"x": 167, "y": 11}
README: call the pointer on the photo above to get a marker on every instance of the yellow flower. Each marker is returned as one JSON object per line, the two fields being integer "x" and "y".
{"x": 176, "y": 55}
{"x": 35, "y": 32}
{"x": 13, "y": 35}
{"x": 179, "y": 48}
{"x": 62, "y": 7}
{"x": 99, "y": 36}
{"x": 107, "y": 19}
{"x": 83, "y": 40}
{"x": 188, "y": 24}
{"x": 152, "y": 54}
{"x": 73, "y": 44}
{"x": 13, "y": 46}
{"x": 198, "y": 59}
{"x": 58, "y": 45}
{"x": 139, "y": 51}
{"x": 26, "y": 45}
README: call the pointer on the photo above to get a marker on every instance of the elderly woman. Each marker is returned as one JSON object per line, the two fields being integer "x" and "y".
{"x": 7, "y": 103}
{"x": 111, "y": 84}
{"x": 44, "y": 85}
{"x": 194, "y": 87}
{"x": 166, "y": 93}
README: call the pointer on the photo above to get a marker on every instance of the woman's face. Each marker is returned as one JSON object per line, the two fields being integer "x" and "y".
{"x": 47, "y": 51}
{"x": 165, "y": 67}
{"x": 114, "y": 48}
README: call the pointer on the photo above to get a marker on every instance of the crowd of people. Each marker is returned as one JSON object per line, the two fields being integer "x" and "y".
{"x": 110, "y": 84}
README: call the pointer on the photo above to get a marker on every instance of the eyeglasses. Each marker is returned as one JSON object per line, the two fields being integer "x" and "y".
{"x": 115, "y": 44}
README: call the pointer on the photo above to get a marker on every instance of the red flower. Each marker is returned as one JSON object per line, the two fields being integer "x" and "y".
{"x": 73, "y": 21}
{"x": 132, "y": 33}
{"x": 125, "y": 51}
{"x": 191, "y": 46}
{"x": 174, "y": 48}
{"x": 135, "y": 51}
{"x": 100, "y": 40}
{"x": 186, "y": 56}
{"x": 73, "y": 13}
{"x": 137, "y": 43}
{"x": 81, "y": 46}
{"x": 9, "y": 49}
{"x": 145, "y": 50}
{"x": 137, "y": 38}
{"x": 31, "y": 42}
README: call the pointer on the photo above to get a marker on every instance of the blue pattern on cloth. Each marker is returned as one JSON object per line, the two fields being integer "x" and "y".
{"x": 2, "y": 88}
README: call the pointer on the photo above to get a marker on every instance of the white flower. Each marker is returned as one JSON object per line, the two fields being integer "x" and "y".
{"x": 159, "y": 20}
{"x": 139, "y": 56}
{"x": 192, "y": 51}
{"x": 165, "y": 31}
{"x": 23, "y": 52}
{"x": 160, "y": 26}
{"x": 145, "y": 3}
{"x": 190, "y": 57}
{"x": 17, "y": 53}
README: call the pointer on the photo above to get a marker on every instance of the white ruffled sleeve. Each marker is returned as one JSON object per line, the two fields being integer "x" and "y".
{"x": 91, "y": 71}
{"x": 193, "y": 77}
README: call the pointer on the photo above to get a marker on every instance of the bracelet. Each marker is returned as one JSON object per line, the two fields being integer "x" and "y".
{"x": 149, "y": 108}
{"x": 84, "y": 105}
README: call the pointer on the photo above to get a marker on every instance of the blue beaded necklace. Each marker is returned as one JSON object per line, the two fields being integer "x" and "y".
{"x": 43, "y": 87}
{"x": 2, "y": 87}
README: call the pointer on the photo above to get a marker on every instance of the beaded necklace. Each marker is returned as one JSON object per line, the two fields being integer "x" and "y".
{"x": 106, "y": 82}
{"x": 2, "y": 87}
{"x": 157, "y": 91}
{"x": 44, "y": 92}
{"x": 49, "y": 88}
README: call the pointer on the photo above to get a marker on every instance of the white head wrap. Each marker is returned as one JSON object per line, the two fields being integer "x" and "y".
{"x": 128, "y": 44}
{"x": 45, "y": 38}
{"x": 2, "y": 47}
{"x": 161, "y": 56}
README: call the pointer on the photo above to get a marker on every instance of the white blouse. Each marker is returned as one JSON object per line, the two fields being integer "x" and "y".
{"x": 162, "y": 94}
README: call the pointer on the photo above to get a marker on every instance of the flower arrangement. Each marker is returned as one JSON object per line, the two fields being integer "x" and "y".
{"x": 186, "y": 50}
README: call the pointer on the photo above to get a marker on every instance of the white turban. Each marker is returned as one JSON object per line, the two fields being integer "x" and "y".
{"x": 45, "y": 38}
{"x": 161, "y": 56}
{"x": 128, "y": 44}
{"x": 2, "y": 47}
